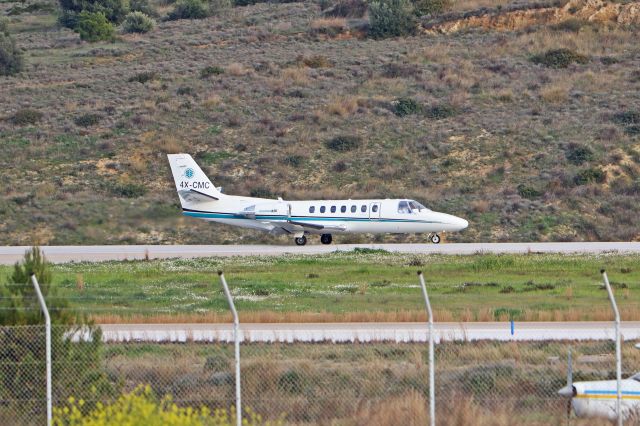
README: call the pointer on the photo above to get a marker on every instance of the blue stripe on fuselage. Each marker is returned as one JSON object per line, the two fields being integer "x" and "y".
{"x": 212, "y": 215}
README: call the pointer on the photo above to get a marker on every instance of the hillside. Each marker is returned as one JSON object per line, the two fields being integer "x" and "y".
{"x": 525, "y": 142}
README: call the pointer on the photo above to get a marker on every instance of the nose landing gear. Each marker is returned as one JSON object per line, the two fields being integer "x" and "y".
{"x": 300, "y": 241}
{"x": 435, "y": 238}
{"x": 326, "y": 238}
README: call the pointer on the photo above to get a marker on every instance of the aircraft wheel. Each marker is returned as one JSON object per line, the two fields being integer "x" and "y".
{"x": 300, "y": 241}
{"x": 326, "y": 238}
{"x": 435, "y": 238}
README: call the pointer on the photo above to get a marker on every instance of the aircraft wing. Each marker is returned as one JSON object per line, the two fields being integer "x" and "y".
{"x": 195, "y": 196}
{"x": 316, "y": 227}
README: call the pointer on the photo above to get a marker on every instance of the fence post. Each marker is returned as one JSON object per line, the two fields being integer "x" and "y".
{"x": 236, "y": 341}
{"x": 432, "y": 368}
{"x": 618, "y": 349}
{"x": 47, "y": 321}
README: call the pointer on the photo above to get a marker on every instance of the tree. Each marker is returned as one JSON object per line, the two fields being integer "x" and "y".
{"x": 77, "y": 366}
{"x": 11, "y": 59}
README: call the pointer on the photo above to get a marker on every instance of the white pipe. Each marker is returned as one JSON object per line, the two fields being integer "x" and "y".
{"x": 618, "y": 349}
{"x": 236, "y": 341}
{"x": 47, "y": 321}
{"x": 432, "y": 368}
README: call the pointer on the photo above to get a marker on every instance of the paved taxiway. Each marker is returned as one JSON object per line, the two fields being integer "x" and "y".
{"x": 365, "y": 332}
{"x": 9, "y": 255}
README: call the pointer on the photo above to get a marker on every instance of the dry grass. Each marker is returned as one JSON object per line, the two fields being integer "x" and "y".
{"x": 329, "y": 25}
{"x": 237, "y": 69}
{"x": 169, "y": 145}
{"x": 556, "y": 93}
{"x": 440, "y": 315}
{"x": 342, "y": 106}
{"x": 295, "y": 76}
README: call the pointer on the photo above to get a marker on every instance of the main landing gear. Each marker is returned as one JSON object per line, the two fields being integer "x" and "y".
{"x": 326, "y": 238}
{"x": 300, "y": 241}
{"x": 435, "y": 238}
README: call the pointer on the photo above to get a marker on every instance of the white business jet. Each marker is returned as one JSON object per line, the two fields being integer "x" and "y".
{"x": 200, "y": 199}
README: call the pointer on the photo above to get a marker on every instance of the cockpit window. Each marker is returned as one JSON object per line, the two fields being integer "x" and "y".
{"x": 403, "y": 207}
{"x": 416, "y": 205}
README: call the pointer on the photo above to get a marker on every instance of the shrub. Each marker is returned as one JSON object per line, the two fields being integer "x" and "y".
{"x": 11, "y": 60}
{"x": 343, "y": 143}
{"x": 348, "y": 9}
{"x": 143, "y": 407}
{"x": 26, "y": 116}
{"x": 142, "y": 6}
{"x": 219, "y": 5}
{"x": 189, "y": 9}
{"x": 590, "y": 175}
{"x": 143, "y": 77}
{"x": 528, "y": 192}
{"x": 391, "y": 18}
{"x": 430, "y": 7}
{"x": 113, "y": 10}
{"x": 94, "y": 26}
{"x": 442, "y": 111}
{"x": 137, "y": 22}
{"x": 570, "y": 25}
{"x": 578, "y": 154}
{"x": 315, "y": 61}
{"x": 627, "y": 118}
{"x": 407, "y": 106}
{"x": 4, "y": 26}
{"x": 129, "y": 190}
{"x": 559, "y": 58}
{"x": 87, "y": 120}
{"x": 211, "y": 70}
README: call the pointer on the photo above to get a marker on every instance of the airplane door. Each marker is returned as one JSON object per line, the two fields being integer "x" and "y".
{"x": 374, "y": 211}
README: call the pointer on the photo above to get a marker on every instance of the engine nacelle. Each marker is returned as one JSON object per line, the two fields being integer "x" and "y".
{"x": 275, "y": 210}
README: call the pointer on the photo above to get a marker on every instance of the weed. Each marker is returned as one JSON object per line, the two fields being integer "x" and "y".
{"x": 431, "y": 7}
{"x": 578, "y": 154}
{"x": 440, "y": 112}
{"x": 590, "y": 175}
{"x": 507, "y": 289}
{"x": 348, "y": 9}
{"x": 143, "y": 77}
{"x": 528, "y": 192}
{"x": 129, "y": 190}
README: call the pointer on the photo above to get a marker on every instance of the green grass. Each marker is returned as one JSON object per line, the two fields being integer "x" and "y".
{"x": 356, "y": 286}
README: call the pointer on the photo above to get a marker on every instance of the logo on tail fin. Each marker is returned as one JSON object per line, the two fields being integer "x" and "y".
{"x": 189, "y": 173}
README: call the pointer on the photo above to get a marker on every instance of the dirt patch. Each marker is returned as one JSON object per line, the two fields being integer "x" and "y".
{"x": 598, "y": 11}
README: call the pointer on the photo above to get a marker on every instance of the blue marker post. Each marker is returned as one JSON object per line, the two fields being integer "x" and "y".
{"x": 512, "y": 327}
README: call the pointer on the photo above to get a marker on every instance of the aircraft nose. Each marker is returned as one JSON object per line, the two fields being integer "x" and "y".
{"x": 567, "y": 391}
{"x": 460, "y": 223}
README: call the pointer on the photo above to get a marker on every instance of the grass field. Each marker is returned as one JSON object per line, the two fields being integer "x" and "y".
{"x": 353, "y": 286}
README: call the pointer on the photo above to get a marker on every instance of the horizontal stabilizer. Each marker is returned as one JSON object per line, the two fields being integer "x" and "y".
{"x": 194, "y": 196}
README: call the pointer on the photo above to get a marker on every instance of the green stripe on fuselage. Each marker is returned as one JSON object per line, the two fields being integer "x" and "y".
{"x": 204, "y": 215}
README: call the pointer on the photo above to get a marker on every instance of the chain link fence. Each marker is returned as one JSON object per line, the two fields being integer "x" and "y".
{"x": 378, "y": 383}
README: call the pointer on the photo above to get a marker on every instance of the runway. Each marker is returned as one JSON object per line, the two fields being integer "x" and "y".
{"x": 368, "y": 332}
{"x": 61, "y": 254}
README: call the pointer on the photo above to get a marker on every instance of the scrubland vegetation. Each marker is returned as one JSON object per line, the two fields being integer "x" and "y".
{"x": 352, "y": 286}
{"x": 528, "y": 128}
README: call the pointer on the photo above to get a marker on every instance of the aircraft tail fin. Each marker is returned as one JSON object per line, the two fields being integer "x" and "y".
{"x": 192, "y": 184}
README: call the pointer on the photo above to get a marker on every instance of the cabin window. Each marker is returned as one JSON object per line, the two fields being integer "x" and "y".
{"x": 403, "y": 207}
{"x": 343, "y": 209}
{"x": 323, "y": 209}
{"x": 363, "y": 209}
{"x": 374, "y": 208}
{"x": 312, "y": 209}
{"x": 353, "y": 209}
{"x": 333, "y": 209}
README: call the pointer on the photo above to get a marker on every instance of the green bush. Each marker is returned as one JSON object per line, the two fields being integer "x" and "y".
{"x": 407, "y": 106}
{"x": 211, "y": 70}
{"x": 26, "y": 116}
{"x": 559, "y": 58}
{"x": 142, "y": 6}
{"x": 129, "y": 190}
{"x": 189, "y": 9}
{"x": 627, "y": 118}
{"x": 430, "y": 7}
{"x": 391, "y": 18}
{"x": 442, "y": 111}
{"x": 590, "y": 175}
{"x": 348, "y": 9}
{"x": 528, "y": 192}
{"x": 86, "y": 120}
{"x": 143, "y": 77}
{"x": 137, "y": 22}
{"x": 94, "y": 26}
{"x": 4, "y": 26}
{"x": 343, "y": 143}
{"x": 216, "y": 6}
{"x": 113, "y": 10}
{"x": 578, "y": 154}
{"x": 11, "y": 59}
